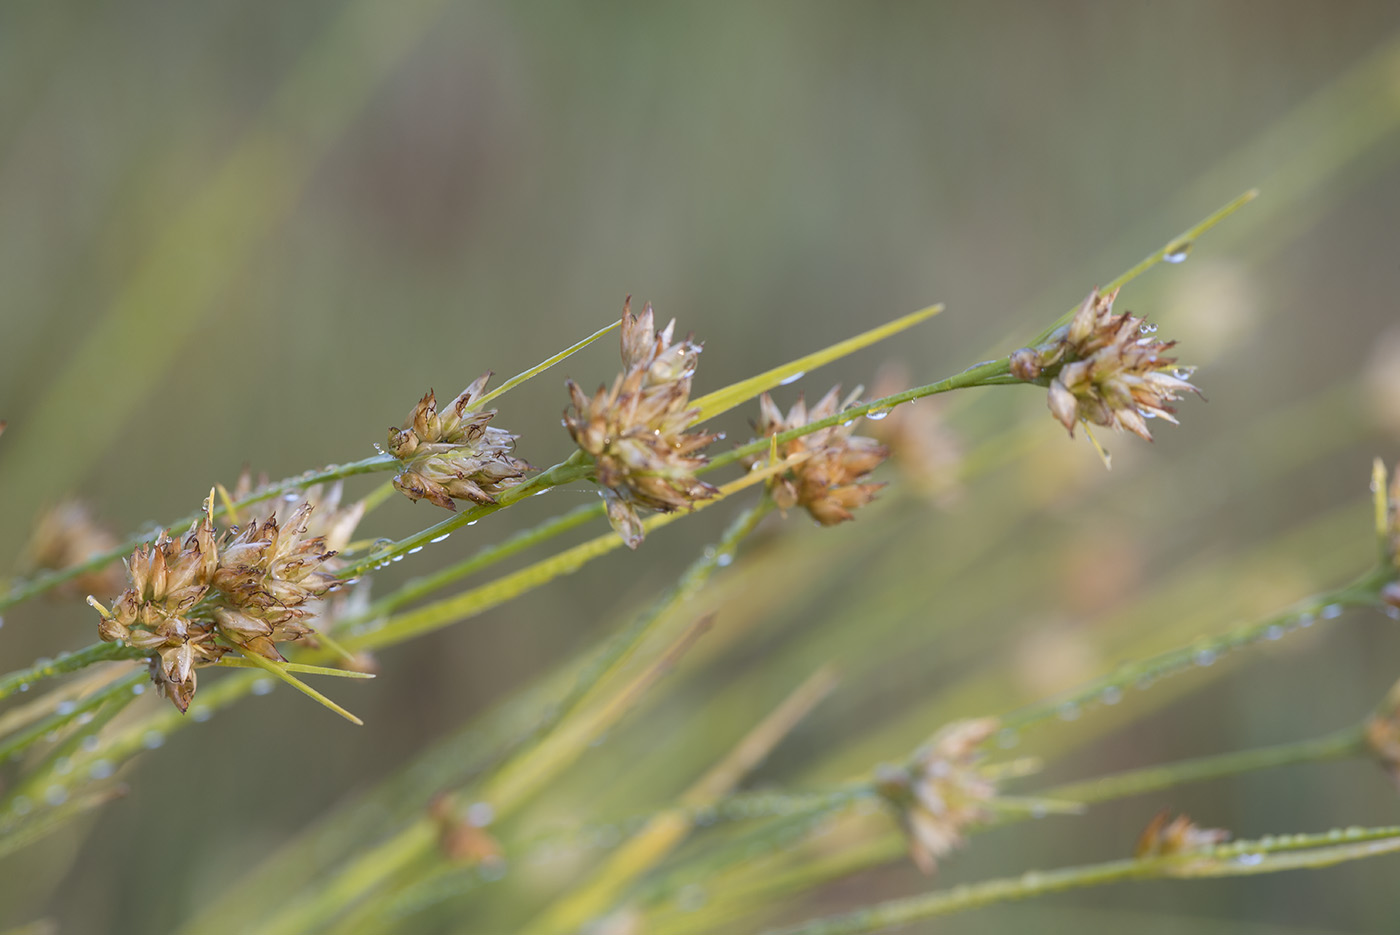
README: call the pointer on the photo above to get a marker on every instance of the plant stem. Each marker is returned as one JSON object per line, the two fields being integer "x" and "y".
{"x": 21, "y": 679}
{"x": 1335, "y": 746}
{"x": 24, "y": 590}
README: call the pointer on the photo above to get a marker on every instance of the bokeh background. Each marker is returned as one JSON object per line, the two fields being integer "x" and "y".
{"x": 240, "y": 233}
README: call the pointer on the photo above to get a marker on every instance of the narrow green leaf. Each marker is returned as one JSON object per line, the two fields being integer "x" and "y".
{"x": 279, "y": 670}
{"x": 736, "y": 393}
{"x": 543, "y": 365}
{"x": 240, "y": 662}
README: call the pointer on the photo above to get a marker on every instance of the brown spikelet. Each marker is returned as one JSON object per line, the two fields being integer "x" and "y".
{"x": 638, "y": 431}
{"x": 454, "y": 454}
{"x": 943, "y": 792}
{"x": 830, "y": 482}
{"x": 1106, "y": 369}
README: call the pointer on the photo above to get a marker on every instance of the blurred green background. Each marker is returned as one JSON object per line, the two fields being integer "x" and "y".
{"x": 253, "y": 234}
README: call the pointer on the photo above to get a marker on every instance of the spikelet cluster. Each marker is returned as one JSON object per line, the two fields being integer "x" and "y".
{"x": 830, "y": 480}
{"x": 638, "y": 430}
{"x": 189, "y": 602}
{"x": 1166, "y": 836}
{"x": 454, "y": 454}
{"x": 1106, "y": 369}
{"x": 943, "y": 791}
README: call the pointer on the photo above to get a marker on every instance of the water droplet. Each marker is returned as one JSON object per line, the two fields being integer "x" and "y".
{"x": 153, "y": 740}
{"x": 24, "y": 686}
{"x": 1030, "y": 878}
{"x": 55, "y": 795}
{"x": 91, "y": 743}
{"x": 725, "y": 560}
{"x": 396, "y": 558}
{"x": 139, "y": 688}
{"x": 1111, "y": 695}
{"x": 202, "y": 713}
{"x": 415, "y": 550}
{"x": 290, "y": 497}
{"x": 65, "y": 708}
{"x": 1007, "y": 738}
{"x": 1274, "y": 632}
{"x": 1068, "y": 711}
{"x": 377, "y": 448}
{"x": 1147, "y": 327}
{"x": 474, "y": 522}
{"x": 721, "y": 436}
{"x": 875, "y": 415}
{"x": 1306, "y": 619}
{"x": 21, "y": 805}
{"x": 1393, "y": 613}
{"x": 480, "y": 814}
{"x": 63, "y": 765}
{"x": 102, "y": 769}
{"x": 1184, "y": 373}
{"x": 1332, "y": 611}
{"x": 1335, "y": 834}
{"x": 1177, "y": 252}
{"x": 1354, "y": 832}
{"x": 441, "y": 538}
{"x": 792, "y": 379}
{"x": 85, "y": 718}
{"x": 263, "y": 686}
{"x": 1205, "y": 657}
{"x": 1249, "y": 860}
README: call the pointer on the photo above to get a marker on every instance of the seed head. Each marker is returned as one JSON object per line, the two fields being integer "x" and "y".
{"x": 829, "y": 481}
{"x": 158, "y": 612}
{"x": 1165, "y": 835}
{"x": 189, "y": 603}
{"x": 943, "y": 791}
{"x": 638, "y": 430}
{"x": 1105, "y": 369}
{"x": 454, "y": 454}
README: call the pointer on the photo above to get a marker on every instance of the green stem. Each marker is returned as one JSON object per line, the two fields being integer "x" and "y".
{"x": 24, "y": 590}
{"x": 21, "y": 679}
{"x": 422, "y": 587}
{"x": 1335, "y": 746}
{"x": 21, "y": 741}
{"x": 1361, "y": 593}
{"x": 1239, "y": 858}
{"x": 991, "y": 373}
{"x": 576, "y": 467}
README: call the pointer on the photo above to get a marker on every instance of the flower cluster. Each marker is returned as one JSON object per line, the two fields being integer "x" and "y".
{"x": 1166, "y": 836}
{"x": 944, "y": 791}
{"x": 638, "y": 430}
{"x": 1106, "y": 369}
{"x": 454, "y": 454}
{"x": 191, "y": 602}
{"x": 829, "y": 480}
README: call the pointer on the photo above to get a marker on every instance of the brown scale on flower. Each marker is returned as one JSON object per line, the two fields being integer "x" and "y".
{"x": 159, "y": 613}
{"x": 944, "y": 791}
{"x": 1106, "y": 369}
{"x": 1165, "y": 836}
{"x": 829, "y": 480}
{"x": 454, "y": 454}
{"x": 637, "y": 430}
{"x": 67, "y": 535}
{"x": 190, "y": 603}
